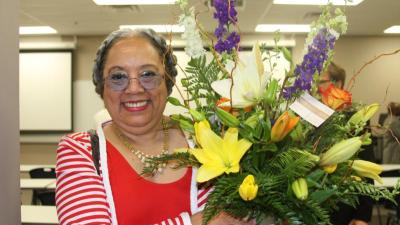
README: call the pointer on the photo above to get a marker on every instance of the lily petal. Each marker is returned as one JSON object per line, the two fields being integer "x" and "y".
{"x": 206, "y": 157}
{"x": 249, "y": 81}
{"x": 209, "y": 171}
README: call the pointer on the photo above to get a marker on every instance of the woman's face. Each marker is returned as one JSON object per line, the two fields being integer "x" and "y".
{"x": 325, "y": 81}
{"x": 134, "y": 106}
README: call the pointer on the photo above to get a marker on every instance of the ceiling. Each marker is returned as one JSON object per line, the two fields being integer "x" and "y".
{"x": 83, "y": 17}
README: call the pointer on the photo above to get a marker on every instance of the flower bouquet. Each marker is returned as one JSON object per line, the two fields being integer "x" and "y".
{"x": 268, "y": 146}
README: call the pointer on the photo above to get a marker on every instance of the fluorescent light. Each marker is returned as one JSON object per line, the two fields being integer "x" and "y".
{"x": 157, "y": 28}
{"x": 283, "y": 28}
{"x": 317, "y": 2}
{"x": 134, "y": 2}
{"x": 392, "y": 30}
{"x": 24, "y": 30}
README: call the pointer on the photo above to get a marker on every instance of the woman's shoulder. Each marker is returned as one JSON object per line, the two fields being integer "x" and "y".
{"x": 78, "y": 141}
{"x": 80, "y": 137}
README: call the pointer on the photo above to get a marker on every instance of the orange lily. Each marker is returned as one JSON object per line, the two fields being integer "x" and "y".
{"x": 283, "y": 125}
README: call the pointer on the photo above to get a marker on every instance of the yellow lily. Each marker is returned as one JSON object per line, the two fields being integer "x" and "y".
{"x": 367, "y": 169}
{"x": 217, "y": 155}
{"x": 248, "y": 189}
{"x": 249, "y": 81}
{"x": 283, "y": 125}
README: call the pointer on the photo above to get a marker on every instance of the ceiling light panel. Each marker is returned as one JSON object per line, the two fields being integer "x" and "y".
{"x": 134, "y": 2}
{"x": 317, "y": 2}
{"x": 27, "y": 30}
{"x": 392, "y": 30}
{"x": 283, "y": 28}
{"x": 157, "y": 28}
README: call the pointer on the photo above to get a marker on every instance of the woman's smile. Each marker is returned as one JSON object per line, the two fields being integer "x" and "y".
{"x": 135, "y": 106}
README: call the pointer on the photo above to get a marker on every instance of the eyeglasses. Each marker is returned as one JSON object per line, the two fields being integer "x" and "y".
{"x": 120, "y": 81}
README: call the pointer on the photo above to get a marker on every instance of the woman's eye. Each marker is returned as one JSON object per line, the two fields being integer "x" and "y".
{"x": 118, "y": 76}
{"x": 148, "y": 74}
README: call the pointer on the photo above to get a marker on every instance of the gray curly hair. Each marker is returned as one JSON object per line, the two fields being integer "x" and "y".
{"x": 156, "y": 41}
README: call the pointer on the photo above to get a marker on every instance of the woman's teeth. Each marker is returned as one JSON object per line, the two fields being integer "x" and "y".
{"x": 135, "y": 104}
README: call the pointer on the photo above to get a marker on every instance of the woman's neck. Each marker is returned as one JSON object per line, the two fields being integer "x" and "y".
{"x": 141, "y": 137}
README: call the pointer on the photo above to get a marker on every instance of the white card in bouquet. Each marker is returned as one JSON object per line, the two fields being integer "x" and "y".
{"x": 312, "y": 110}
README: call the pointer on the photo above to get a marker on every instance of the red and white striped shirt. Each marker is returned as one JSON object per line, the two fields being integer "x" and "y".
{"x": 81, "y": 193}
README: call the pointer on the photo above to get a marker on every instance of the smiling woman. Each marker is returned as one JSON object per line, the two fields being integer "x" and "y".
{"x": 134, "y": 73}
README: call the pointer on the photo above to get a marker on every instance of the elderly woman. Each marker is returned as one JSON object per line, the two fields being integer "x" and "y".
{"x": 134, "y": 73}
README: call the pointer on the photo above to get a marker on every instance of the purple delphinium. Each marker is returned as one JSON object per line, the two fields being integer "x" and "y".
{"x": 313, "y": 62}
{"x": 225, "y": 13}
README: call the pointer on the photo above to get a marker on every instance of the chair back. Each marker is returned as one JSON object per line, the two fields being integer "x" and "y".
{"x": 43, "y": 173}
{"x": 44, "y": 197}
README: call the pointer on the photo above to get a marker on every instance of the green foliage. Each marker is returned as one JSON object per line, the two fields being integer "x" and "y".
{"x": 197, "y": 84}
{"x": 178, "y": 160}
{"x": 274, "y": 165}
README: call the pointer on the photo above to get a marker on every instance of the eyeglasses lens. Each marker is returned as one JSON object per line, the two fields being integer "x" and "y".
{"x": 118, "y": 82}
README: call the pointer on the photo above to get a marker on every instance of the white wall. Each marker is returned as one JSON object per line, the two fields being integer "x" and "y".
{"x": 9, "y": 128}
{"x": 378, "y": 82}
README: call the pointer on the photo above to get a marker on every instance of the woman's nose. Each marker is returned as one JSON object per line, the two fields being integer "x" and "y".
{"x": 134, "y": 85}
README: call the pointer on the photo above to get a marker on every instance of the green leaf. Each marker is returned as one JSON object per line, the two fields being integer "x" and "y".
{"x": 174, "y": 101}
{"x": 320, "y": 196}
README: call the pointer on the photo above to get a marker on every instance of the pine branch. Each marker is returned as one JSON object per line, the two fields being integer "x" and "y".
{"x": 181, "y": 159}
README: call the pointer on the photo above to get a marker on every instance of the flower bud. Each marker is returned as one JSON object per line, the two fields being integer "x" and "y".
{"x": 197, "y": 116}
{"x": 248, "y": 189}
{"x": 356, "y": 178}
{"x": 283, "y": 125}
{"x": 227, "y": 118}
{"x": 270, "y": 93}
{"x": 330, "y": 169}
{"x": 185, "y": 125}
{"x": 310, "y": 156}
{"x": 199, "y": 126}
{"x": 185, "y": 82}
{"x": 367, "y": 169}
{"x": 340, "y": 152}
{"x": 253, "y": 120}
{"x": 300, "y": 188}
{"x": 364, "y": 114}
{"x": 286, "y": 53}
{"x": 297, "y": 134}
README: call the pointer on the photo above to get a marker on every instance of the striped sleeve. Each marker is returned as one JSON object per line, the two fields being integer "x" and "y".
{"x": 80, "y": 194}
{"x": 202, "y": 196}
{"x": 182, "y": 219}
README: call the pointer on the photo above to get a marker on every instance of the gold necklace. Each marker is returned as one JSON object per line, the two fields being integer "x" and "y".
{"x": 143, "y": 157}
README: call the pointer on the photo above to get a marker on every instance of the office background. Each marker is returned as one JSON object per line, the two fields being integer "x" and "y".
{"x": 83, "y": 25}
{"x": 352, "y": 52}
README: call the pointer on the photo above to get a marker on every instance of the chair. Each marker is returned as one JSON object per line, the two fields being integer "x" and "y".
{"x": 44, "y": 197}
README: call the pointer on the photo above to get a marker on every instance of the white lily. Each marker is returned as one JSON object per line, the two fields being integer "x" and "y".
{"x": 249, "y": 81}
